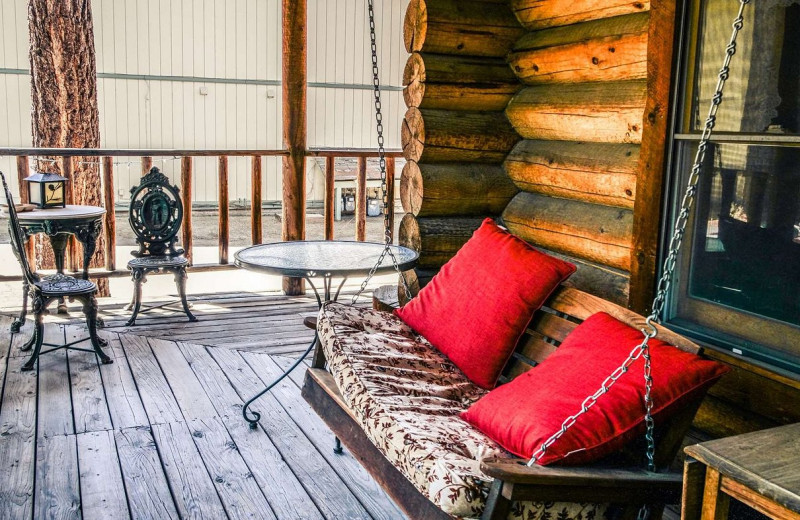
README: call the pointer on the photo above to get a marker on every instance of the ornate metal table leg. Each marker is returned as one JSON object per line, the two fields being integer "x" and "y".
{"x": 87, "y": 236}
{"x": 38, "y": 333}
{"x": 252, "y": 416}
{"x": 180, "y": 281}
{"x": 19, "y": 321}
{"x": 138, "y": 279}
{"x": 59, "y": 241}
{"x": 90, "y": 310}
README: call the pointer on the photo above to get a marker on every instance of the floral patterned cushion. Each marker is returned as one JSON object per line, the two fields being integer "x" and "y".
{"x": 407, "y": 398}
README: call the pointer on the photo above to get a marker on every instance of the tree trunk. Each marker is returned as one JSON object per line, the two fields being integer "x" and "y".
{"x": 64, "y": 101}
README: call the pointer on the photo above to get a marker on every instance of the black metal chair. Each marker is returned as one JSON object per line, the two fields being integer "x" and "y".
{"x": 47, "y": 289}
{"x": 155, "y": 215}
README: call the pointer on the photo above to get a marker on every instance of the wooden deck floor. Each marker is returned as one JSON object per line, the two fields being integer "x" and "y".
{"x": 159, "y": 433}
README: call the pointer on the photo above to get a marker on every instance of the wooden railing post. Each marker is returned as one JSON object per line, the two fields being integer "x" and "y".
{"x": 22, "y": 172}
{"x": 224, "y": 224}
{"x": 147, "y": 163}
{"x": 186, "y": 199}
{"x": 294, "y": 127}
{"x": 255, "y": 200}
{"x": 330, "y": 202}
{"x": 390, "y": 195}
{"x": 109, "y": 220}
{"x": 361, "y": 200}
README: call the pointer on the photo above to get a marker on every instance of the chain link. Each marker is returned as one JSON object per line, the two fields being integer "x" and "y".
{"x": 668, "y": 269}
{"x": 387, "y": 229}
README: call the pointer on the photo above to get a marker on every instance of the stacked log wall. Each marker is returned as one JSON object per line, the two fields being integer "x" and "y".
{"x": 584, "y": 67}
{"x": 455, "y": 134}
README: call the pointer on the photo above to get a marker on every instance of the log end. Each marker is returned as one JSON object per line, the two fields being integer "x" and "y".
{"x": 412, "y": 134}
{"x": 415, "y": 26}
{"x": 411, "y": 188}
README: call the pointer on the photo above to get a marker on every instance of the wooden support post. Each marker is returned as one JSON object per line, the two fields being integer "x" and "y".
{"x": 22, "y": 172}
{"x": 147, "y": 163}
{"x": 330, "y": 200}
{"x": 186, "y": 199}
{"x": 361, "y": 200}
{"x": 294, "y": 127}
{"x": 255, "y": 200}
{"x": 71, "y": 262}
{"x": 109, "y": 220}
{"x": 390, "y": 195}
{"x": 224, "y": 224}
{"x": 652, "y": 155}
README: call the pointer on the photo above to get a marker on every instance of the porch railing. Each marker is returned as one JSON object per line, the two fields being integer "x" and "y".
{"x": 106, "y": 163}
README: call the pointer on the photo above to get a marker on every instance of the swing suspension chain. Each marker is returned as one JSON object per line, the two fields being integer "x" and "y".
{"x": 387, "y": 230}
{"x": 668, "y": 269}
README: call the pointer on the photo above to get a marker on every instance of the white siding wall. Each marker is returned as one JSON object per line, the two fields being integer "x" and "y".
{"x": 155, "y": 56}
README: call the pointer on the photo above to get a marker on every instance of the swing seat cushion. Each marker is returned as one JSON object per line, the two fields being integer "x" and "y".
{"x": 524, "y": 413}
{"x": 477, "y": 307}
{"x": 407, "y": 397}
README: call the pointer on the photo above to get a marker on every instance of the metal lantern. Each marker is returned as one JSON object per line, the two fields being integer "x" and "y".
{"x": 47, "y": 190}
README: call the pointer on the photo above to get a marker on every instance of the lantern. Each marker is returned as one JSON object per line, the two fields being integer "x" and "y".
{"x": 47, "y": 190}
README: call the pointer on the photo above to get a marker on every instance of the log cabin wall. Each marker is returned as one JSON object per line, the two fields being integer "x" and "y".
{"x": 455, "y": 133}
{"x": 585, "y": 70}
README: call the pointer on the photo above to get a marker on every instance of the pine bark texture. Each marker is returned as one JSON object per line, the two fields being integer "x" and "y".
{"x": 64, "y": 102}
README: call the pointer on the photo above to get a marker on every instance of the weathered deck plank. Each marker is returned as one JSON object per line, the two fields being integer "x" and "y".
{"x": 57, "y": 494}
{"x": 314, "y": 472}
{"x": 195, "y": 496}
{"x": 102, "y": 491}
{"x": 283, "y": 490}
{"x": 89, "y": 408}
{"x": 17, "y": 430}
{"x": 352, "y": 473}
{"x": 156, "y": 395}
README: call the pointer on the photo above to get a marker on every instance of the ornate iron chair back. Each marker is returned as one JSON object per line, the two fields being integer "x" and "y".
{"x": 155, "y": 215}
{"x": 17, "y": 236}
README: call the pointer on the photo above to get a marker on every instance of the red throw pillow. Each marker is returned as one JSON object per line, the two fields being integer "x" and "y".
{"x": 477, "y": 307}
{"x": 524, "y": 413}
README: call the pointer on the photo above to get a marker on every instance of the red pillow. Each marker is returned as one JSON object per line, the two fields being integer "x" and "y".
{"x": 477, "y": 307}
{"x": 524, "y": 413}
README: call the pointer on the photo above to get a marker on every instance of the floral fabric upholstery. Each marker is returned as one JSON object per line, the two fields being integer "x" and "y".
{"x": 407, "y": 396}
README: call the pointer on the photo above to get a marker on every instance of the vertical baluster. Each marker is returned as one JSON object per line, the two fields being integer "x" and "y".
{"x": 22, "y": 172}
{"x": 390, "y": 195}
{"x": 224, "y": 224}
{"x": 186, "y": 199}
{"x": 255, "y": 200}
{"x": 109, "y": 222}
{"x": 361, "y": 200}
{"x": 72, "y": 253}
{"x": 147, "y": 163}
{"x": 330, "y": 201}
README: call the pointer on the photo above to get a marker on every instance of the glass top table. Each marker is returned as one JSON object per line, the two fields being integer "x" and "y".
{"x": 323, "y": 258}
{"x": 319, "y": 259}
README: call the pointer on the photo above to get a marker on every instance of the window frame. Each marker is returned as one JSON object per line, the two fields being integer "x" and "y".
{"x": 700, "y": 319}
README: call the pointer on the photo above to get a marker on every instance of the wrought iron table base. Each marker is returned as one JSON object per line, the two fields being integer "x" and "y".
{"x": 253, "y": 416}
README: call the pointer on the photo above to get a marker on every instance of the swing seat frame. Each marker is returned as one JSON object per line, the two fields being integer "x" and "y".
{"x": 619, "y": 479}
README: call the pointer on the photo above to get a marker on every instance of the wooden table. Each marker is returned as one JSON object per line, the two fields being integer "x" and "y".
{"x": 84, "y": 222}
{"x": 760, "y": 469}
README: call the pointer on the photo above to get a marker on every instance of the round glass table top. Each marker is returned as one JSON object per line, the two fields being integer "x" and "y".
{"x": 322, "y": 258}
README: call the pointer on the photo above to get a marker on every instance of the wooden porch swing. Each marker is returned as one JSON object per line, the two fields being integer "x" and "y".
{"x": 640, "y": 491}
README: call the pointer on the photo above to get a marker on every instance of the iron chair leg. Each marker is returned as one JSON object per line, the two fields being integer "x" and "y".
{"x": 180, "y": 281}
{"x": 19, "y": 321}
{"x": 138, "y": 279}
{"x": 90, "y": 310}
{"x": 38, "y": 333}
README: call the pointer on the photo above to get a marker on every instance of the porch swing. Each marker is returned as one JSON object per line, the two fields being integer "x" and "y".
{"x": 618, "y": 479}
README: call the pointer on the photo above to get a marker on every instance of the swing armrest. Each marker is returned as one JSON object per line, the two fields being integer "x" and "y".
{"x": 584, "y": 481}
{"x": 310, "y": 322}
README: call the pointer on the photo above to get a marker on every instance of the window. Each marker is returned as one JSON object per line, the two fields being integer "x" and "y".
{"x": 737, "y": 283}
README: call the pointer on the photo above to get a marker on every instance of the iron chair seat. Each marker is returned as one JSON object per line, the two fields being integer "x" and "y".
{"x": 155, "y": 215}
{"x": 63, "y": 285}
{"x": 46, "y": 289}
{"x": 158, "y": 262}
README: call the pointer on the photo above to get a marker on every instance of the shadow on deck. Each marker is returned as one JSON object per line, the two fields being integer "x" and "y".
{"x": 159, "y": 433}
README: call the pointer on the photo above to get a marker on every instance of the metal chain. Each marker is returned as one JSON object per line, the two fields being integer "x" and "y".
{"x": 387, "y": 230}
{"x": 668, "y": 269}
